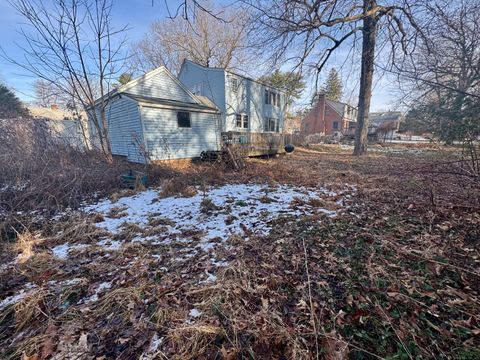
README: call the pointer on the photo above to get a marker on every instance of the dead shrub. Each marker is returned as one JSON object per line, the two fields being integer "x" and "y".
{"x": 207, "y": 206}
{"x": 173, "y": 187}
{"x": 41, "y": 171}
{"x": 117, "y": 212}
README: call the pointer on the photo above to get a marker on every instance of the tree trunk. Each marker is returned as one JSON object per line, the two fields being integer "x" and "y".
{"x": 366, "y": 78}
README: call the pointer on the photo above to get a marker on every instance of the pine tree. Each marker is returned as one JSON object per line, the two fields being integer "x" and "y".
{"x": 125, "y": 78}
{"x": 10, "y": 105}
{"x": 291, "y": 83}
{"x": 333, "y": 87}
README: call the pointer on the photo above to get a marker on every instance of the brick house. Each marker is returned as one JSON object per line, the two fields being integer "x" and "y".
{"x": 329, "y": 117}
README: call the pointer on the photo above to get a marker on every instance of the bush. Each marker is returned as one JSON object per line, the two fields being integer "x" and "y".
{"x": 10, "y": 105}
{"x": 41, "y": 174}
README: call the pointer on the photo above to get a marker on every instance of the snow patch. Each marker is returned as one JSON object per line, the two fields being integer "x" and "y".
{"x": 234, "y": 209}
{"x": 101, "y": 288}
{"x": 18, "y": 296}
{"x": 194, "y": 313}
{"x": 61, "y": 251}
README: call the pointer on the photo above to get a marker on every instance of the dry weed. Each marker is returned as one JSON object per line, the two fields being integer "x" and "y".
{"x": 173, "y": 187}
{"x": 40, "y": 267}
{"x": 78, "y": 230}
{"x": 25, "y": 245}
{"x": 117, "y": 212}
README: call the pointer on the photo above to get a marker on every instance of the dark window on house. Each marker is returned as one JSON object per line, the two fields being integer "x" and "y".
{"x": 241, "y": 121}
{"x": 271, "y": 125}
{"x": 183, "y": 119}
{"x": 272, "y": 98}
{"x": 335, "y": 125}
{"x": 238, "y": 119}
{"x": 245, "y": 121}
{"x": 234, "y": 83}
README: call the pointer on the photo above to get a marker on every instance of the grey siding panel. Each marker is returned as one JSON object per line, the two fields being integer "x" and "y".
{"x": 125, "y": 129}
{"x": 205, "y": 82}
{"x": 161, "y": 86}
{"x": 166, "y": 141}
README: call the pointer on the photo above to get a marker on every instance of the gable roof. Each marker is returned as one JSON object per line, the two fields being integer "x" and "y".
{"x": 336, "y": 106}
{"x": 380, "y": 117}
{"x": 131, "y": 84}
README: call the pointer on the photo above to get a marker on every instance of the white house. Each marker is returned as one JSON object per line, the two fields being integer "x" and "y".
{"x": 246, "y": 105}
{"x": 156, "y": 116}
{"x": 159, "y": 117}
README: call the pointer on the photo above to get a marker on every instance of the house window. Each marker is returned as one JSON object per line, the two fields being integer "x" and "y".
{"x": 271, "y": 125}
{"x": 335, "y": 125}
{"x": 234, "y": 83}
{"x": 238, "y": 120}
{"x": 245, "y": 121}
{"x": 183, "y": 119}
{"x": 272, "y": 98}
{"x": 241, "y": 121}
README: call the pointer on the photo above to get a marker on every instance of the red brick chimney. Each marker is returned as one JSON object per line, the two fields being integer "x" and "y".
{"x": 320, "y": 123}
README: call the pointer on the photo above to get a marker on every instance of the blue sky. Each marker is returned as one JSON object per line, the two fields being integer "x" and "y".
{"x": 138, "y": 15}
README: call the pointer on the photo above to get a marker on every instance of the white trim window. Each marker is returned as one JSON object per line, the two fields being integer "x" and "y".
{"x": 241, "y": 121}
{"x": 234, "y": 84}
{"x": 272, "y": 98}
{"x": 271, "y": 125}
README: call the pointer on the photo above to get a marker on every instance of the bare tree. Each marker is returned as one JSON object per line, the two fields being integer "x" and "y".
{"x": 213, "y": 37}
{"x": 442, "y": 80}
{"x": 305, "y": 34}
{"x": 45, "y": 93}
{"x": 71, "y": 45}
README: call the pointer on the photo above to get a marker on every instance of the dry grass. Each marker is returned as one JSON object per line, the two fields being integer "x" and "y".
{"x": 25, "y": 245}
{"x": 365, "y": 294}
{"x": 40, "y": 267}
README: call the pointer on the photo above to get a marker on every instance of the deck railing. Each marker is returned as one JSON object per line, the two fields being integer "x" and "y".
{"x": 254, "y": 144}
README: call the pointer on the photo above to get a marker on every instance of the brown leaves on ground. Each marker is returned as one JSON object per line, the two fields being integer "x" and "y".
{"x": 394, "y": 276}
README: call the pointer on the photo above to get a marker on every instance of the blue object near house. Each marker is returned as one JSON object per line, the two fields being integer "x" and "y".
{"x": 133, "y": 178}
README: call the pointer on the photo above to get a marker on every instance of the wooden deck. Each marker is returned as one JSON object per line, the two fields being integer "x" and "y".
{"x": 248, "y": 144}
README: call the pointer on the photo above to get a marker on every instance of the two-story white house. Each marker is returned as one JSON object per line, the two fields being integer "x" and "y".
{"x": 245, "y": 104}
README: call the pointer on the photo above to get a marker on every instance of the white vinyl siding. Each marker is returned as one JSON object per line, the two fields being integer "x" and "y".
{"x": 124, "y": 128}
{"x": 161, "y": 86}
{"x": 165, "y": 140}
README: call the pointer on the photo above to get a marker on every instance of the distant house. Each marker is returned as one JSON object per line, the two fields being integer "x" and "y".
{"x": 156, "y": 117}
{"x": 329, "y": 117}
{"x": 245, "y": 104}
{"x": 385, "y": 124}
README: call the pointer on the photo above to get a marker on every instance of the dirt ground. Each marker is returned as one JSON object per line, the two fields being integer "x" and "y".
{"x": 317, "y": 254}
